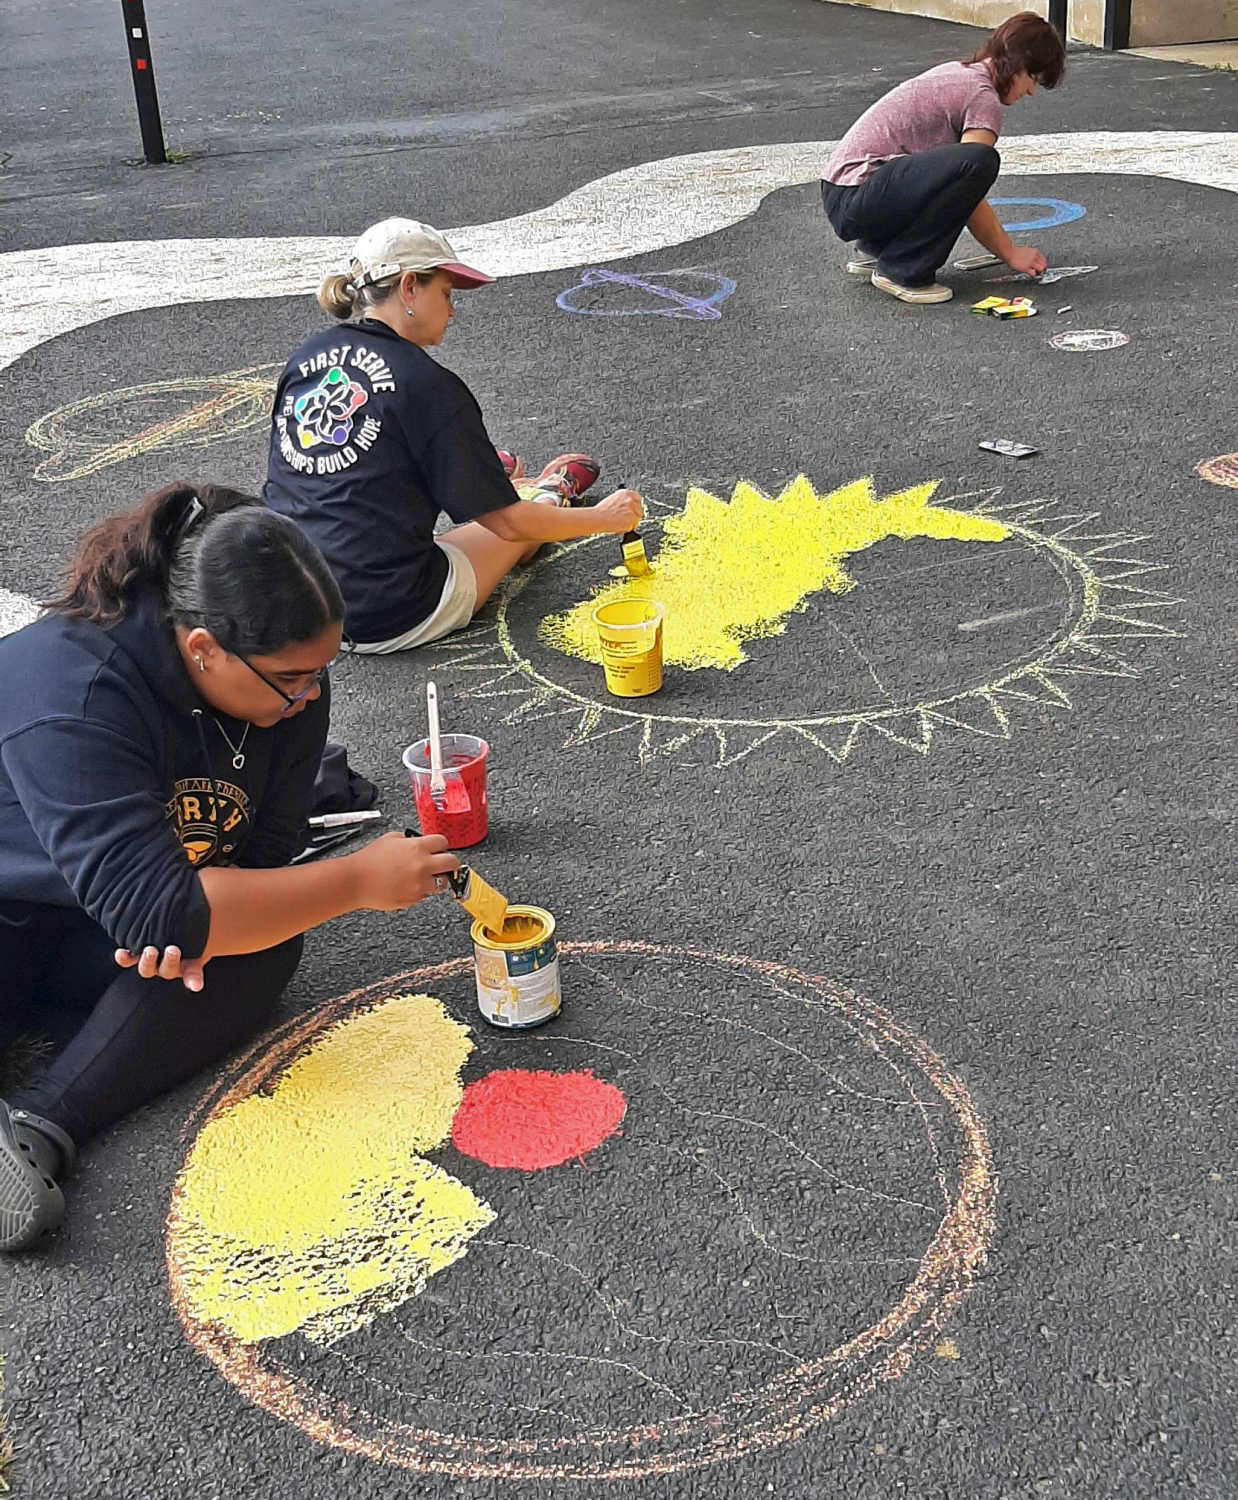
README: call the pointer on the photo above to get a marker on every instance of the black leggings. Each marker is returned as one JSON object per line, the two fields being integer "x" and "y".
{"x": 911, "y": 211}
{"x": 135, "y": 1038}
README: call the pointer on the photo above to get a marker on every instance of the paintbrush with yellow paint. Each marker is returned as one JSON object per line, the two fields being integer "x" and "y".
{"x": 634, "y": 559}
{"x": 479, "y": 899}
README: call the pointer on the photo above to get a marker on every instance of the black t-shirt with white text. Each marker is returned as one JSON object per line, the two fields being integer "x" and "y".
{"x": 371, "y": 440}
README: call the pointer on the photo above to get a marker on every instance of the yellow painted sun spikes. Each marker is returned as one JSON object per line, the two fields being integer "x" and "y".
{"x": 731, "y": 572}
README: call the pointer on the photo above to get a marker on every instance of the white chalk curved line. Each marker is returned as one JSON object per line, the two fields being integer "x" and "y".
{"x": 44, "y": 293}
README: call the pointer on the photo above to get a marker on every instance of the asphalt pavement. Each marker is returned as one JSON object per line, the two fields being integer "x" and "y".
{"x": 921, "y": 915}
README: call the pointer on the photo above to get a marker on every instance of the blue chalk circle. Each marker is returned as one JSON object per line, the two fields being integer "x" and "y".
{"x": 1060, "y": 212}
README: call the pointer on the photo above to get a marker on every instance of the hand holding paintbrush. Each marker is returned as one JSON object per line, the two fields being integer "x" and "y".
{"x": 474, "y": 895}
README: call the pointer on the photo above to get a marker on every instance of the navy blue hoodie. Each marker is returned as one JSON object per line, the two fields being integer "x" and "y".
{"x": 109, "y": 799}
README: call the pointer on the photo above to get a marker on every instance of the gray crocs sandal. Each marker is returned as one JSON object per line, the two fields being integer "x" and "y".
{"x": 33, "y": 1153}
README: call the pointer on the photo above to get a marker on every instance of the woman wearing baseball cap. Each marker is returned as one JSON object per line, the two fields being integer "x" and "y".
{"x": 372, "y": 439}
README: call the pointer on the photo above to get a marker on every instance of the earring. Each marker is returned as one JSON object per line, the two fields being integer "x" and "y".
{"x": 201, "y": 668}
{"x": 409, "y": 313}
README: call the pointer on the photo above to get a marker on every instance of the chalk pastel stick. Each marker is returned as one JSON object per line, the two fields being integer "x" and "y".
{"x": 344, "y": 819}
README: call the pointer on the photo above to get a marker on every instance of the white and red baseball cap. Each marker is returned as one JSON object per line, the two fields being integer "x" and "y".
{"x": 397, "y": 245}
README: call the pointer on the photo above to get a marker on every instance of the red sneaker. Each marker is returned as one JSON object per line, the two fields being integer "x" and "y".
{"x": 572, "y": 473}
{"x": 513, "y": 467}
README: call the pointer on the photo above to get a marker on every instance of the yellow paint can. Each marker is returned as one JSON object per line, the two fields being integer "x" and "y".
{"x": 630, "y": 635}
{"x": 518, "y": 969}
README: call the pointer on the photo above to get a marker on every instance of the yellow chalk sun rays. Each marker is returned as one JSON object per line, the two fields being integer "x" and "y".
{"x": 1113, "y": 609}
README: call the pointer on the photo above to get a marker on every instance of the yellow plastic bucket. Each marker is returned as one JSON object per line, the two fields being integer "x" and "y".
{"x": 630, "y": 635}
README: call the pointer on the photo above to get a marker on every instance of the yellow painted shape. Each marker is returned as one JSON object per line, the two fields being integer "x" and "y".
{"x": 308, "y": 1208}
{"x": 731, "y": 572}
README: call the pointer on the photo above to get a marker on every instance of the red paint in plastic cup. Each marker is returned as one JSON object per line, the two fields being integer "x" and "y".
{"x": 462, "y": 819}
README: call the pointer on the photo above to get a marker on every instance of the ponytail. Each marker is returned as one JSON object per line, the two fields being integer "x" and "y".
{"x": 337, "y": 296}
{"x": 133, "y": 551}
{"x": 340, "y": 297}
{"x": 218, "y": 558}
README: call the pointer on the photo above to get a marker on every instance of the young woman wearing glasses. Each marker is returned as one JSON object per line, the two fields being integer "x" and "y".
{"x": 160, "y": 731}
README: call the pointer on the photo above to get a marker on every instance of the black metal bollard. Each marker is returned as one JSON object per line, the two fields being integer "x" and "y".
{"x": 144, "y": 81}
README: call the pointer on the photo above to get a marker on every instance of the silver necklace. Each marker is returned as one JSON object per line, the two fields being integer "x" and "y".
{"x": 238, "y": 757}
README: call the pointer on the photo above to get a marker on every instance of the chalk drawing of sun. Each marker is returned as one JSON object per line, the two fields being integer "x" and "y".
{"x": 565, "y": 1255}
{"x": 831, "y": 620}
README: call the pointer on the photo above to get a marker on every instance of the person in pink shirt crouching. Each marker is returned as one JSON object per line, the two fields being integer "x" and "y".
{"x": 915, "y": 169}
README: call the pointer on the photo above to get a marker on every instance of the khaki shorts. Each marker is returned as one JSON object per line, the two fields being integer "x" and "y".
{"x": 453, "y": 611}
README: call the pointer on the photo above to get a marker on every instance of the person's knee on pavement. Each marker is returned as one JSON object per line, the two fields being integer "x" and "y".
{"x": 982, "y": 159}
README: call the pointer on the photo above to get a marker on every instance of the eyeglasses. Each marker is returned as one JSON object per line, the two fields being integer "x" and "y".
{"x": 292, "y": 699}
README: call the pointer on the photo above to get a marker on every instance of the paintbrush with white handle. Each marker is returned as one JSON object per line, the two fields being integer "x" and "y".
{"x": 438, "y": 782}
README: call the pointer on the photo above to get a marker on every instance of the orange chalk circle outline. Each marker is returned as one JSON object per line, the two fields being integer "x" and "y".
{"x": 1114, "y": 607}
{"x": 783, "y": 1409}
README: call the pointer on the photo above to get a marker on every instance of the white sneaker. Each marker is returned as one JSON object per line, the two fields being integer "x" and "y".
{"x": 933, "y": 293}
{"x": 861, "y": 265}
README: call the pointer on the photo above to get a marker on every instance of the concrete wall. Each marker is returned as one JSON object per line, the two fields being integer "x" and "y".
{"x": 988, "y": 13}
{"x": 1086, "y": 20}
{"x": 1161, "y": 23}
{"x": 1154, "y": 23}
